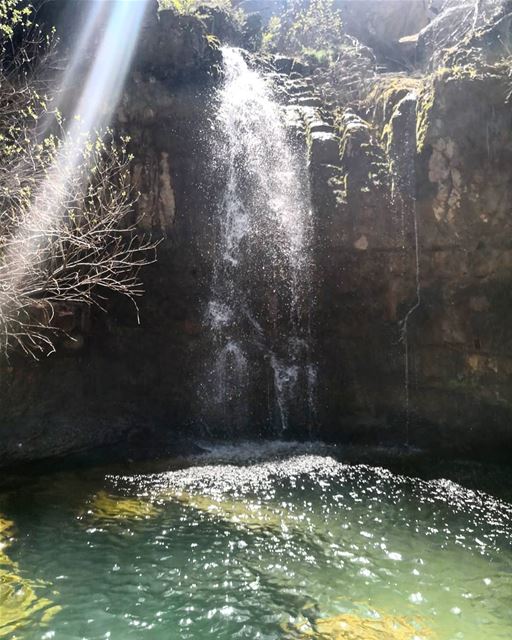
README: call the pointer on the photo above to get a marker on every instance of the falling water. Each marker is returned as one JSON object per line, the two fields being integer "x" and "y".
{"x": 404, "y": 325}
{"x": 403, "y": 193}
{"x": 258, "y": 312}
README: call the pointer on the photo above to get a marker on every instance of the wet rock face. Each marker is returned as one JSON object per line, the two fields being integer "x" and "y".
{"x": 443, "y": 152}
{"x": 120, "y": 377}
{"x": 465, "y": 210}
{"x": 129, "y": 377}
{"x": 176, "y": 48}
{"x": 454, "y": 22}
{"x": 468, "y": 152}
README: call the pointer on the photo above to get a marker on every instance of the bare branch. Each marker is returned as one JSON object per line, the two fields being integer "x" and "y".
{"x": 67, "y": 230}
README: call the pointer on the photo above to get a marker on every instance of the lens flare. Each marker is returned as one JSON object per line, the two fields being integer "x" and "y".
{"x": 118, "y": 24}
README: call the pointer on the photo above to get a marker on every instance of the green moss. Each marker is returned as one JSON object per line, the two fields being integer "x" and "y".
{"x": 20, "y": 606}
{"x": 470, "y": 71}
{"x": 109, "y": 507}
{"x": 444, "y": 75}
{"x": 321, "y": 57}
{"x": 351, "y": 626}
{"x": 424, "y": 107}
{"x": 244, "y": 514}
{"x": 387, "y": 93}
{"x": 462, "y": 385}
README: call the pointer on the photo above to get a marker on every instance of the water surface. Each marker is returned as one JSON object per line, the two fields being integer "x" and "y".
{"x": 242, "y": 546}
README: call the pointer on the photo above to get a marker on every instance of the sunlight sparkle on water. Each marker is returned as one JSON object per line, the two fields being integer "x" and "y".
{"x": 259, "y": 542}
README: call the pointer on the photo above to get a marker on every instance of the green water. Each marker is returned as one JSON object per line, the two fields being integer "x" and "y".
{"x": 236, "y": 548}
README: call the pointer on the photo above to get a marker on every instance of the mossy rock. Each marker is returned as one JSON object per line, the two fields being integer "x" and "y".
{"x": 445, "y": 95}
{"x": 387, "y": 93}
{"x": 20, "y": 606}
{"x": 245, "y": 514}
{"x": 6, "y": 532}
{"x": 350, "y": 626}
{"x": 110, "y": 507}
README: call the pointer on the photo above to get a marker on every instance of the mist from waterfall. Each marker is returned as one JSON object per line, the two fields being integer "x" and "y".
{"x": 259, "y": 309}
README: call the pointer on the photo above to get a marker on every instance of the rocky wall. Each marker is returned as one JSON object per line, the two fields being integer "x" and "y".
{"x": 127, "y": 373}
{"x": 412, "y": 199}
{"x": 414, "y": 256}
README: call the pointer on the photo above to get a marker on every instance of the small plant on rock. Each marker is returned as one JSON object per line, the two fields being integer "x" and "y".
{"x": 314, "y": 26}
{"x": 68, "y": 236}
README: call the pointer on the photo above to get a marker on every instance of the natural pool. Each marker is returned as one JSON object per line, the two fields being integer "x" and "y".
{"x": 254, "y": 543}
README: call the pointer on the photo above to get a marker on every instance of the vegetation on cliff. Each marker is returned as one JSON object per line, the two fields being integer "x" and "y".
{"x": 67, "y": 236}
{"x": 189, "y": 6}
{"x": 377, "y": 121}
{"x": 314, "y": 28}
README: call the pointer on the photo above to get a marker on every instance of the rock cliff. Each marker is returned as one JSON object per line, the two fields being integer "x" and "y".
{"x": 412, "y": 195}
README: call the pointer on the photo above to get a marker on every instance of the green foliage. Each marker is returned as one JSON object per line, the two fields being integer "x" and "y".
{"x": 319, "y": 26}
{"x": 311, "y": 28}
{"x": 322, "y": 57}
{"x": 272, "y": 34}
{"x": 191, "y": 6}
{"x": 195, "y": 7}
{"x": 13, "y": 15}
{"x": 66, "y": 205}
{"x": 23, "y": 99}
{"x": 212, "y": 41}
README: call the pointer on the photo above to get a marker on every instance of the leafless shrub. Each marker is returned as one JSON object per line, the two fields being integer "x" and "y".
{"x": 67, "y": 231}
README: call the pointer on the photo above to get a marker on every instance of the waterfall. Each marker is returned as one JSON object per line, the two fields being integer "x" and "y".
{"x": 258, "y": 312}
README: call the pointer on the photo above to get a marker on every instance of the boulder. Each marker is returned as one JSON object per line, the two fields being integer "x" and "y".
{"x": 323, "y": 148}
{"x": 381, "y": 23}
